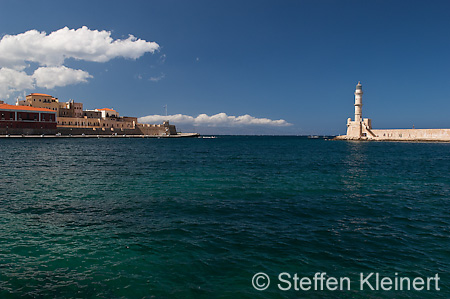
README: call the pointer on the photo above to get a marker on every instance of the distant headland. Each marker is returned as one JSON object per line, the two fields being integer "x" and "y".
{"x": 361, "y": 128}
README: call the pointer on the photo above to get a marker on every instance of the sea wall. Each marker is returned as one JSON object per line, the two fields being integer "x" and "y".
{"x": 412, "y": 134}
{"x": 138, "y": 130}
{"x": 27, "y": 131}
{"x": 402, "y": 135}
{"x": 165, "y": 129}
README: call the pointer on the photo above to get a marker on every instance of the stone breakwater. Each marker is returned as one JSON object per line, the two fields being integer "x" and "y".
{"x": 441, "y": 135}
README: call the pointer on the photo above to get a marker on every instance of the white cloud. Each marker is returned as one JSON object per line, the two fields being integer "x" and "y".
{"x": 13, "y": 81}
{"x": 50, "y": 51}
{"x": 82, "y": 44}
{"x": 50, "y": 77}
{"x": 157, "y": 78}
{"x": 217, "y": 120}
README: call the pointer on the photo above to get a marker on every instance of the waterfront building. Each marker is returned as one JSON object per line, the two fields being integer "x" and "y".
{"x": 40, "y": 100}
{"x": 26, "y": 120}
{"x": 72, "y": 119}
{"x": 106, "y": 112}
{"x": 70, "y": 109}
{"x": 63, "y": 109}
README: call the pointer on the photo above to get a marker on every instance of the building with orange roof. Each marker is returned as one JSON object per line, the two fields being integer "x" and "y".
{"x": 106, "y": 109}
{"x": 71, "y": 119}
{"x": 40, "y": 94}
{"x": 106, "y": 112}
{"x": 26, "y": 120}
{"x": 40, "y": 100}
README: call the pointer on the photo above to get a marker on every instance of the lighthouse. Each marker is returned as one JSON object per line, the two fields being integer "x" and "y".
{"x": 358, "y": 103}
{"x": 359, "y": 128}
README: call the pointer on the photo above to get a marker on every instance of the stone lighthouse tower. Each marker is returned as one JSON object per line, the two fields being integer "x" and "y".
{"x": 358, "y": 128}
{"x": 358, "y": 102}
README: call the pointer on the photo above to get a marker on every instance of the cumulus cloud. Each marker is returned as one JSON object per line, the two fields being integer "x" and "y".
{"x": 50, "y": 77}
{"x": 217, "y": 120}
{"x": 13, "y": 81}
{"x": 50, "y": 51}
{"x": 82, "y": 44}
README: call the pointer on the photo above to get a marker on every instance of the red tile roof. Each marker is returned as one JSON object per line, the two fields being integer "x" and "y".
{"x": 24, "y": 108}
{"x": 106, "y": 109}
{"x": 39, "y": 94}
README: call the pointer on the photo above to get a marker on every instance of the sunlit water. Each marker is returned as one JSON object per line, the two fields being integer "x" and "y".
{"x": 191, "y": 218}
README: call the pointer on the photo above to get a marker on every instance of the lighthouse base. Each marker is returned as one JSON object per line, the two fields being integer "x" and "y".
{"x": 359, "y": 129}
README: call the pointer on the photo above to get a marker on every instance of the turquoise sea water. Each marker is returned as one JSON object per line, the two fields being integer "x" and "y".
{"x": 198, "y": 218}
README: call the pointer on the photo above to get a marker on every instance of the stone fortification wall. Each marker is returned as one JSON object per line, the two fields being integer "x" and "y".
{"x": 140, "y": 129}
{"x": 92, "y": 131}
{"x": 27, "y": 131}
{"x": 402, "y": 135}
{"x": 108, "y": 131}
{"x": 146, "y": 129}
{"x": 411, "y": 134}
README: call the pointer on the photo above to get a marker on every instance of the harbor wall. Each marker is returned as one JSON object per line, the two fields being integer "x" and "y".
{"x": 51, "y": 129}
{"x": 27, "y": 131}
{"x": 411, "y": 134}
{"x": 156, "y": 130}
{"x": 442, "y": 135}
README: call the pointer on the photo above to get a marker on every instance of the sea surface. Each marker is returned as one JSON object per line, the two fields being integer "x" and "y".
{"x": 198, "y": 218}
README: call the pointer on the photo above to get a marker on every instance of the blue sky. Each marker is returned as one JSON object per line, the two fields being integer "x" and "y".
{"x": 297, "y": 61}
